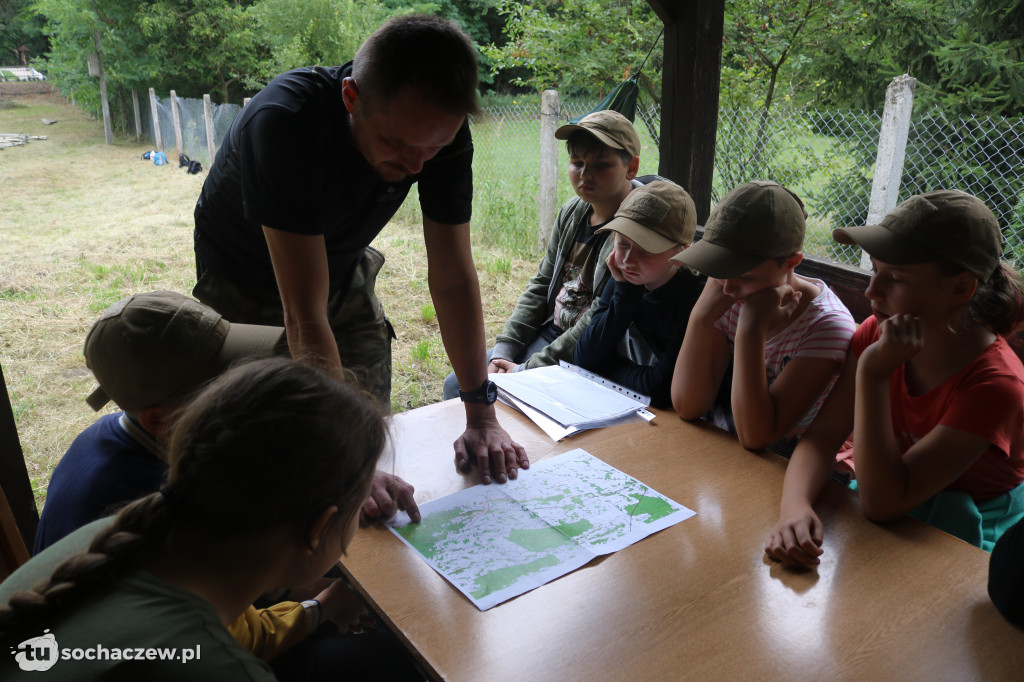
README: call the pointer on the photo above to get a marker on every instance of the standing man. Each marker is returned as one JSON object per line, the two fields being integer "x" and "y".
{"x": 312, "y": 169}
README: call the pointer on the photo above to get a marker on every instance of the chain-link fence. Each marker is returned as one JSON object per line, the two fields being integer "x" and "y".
{"x": 193, "y": 125}
{"x": 825, "y": 156}
{"x": 506, "y": 171}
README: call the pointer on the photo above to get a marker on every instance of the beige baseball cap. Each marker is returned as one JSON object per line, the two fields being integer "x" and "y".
{"x": 754, "y": 222}
{"x": 155, "y": 348}
{"x": 609, "y": 127}
{"x": 946, "y": 224}
{"x": 657, "y": 216}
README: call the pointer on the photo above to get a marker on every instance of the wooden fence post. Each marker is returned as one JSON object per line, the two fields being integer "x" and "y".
{"x": 176, "y": 119}
{"x": 157, "y": 138}
{"x": 550, "y": 110}
{"x": 211, "y": 144}
{"x": 892, "y": 150}
{"x": 138, "y": 115}
{"x": 108, "y": 132}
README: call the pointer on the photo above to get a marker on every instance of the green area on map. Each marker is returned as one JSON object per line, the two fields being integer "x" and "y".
{"x": 549, "y": 537}
{"x": 654, "y": 507}
{"x": 501, "y": 578}
{"x": 430, "y": 533}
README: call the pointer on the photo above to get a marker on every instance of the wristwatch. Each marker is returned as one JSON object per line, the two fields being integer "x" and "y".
{"x": 485, "y": 395}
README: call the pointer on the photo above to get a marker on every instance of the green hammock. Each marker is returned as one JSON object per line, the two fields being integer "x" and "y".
{"x": 623, "y": 97}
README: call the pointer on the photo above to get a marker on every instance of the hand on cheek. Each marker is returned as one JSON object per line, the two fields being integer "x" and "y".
{"x": 769, "y": 309}
{"x": 614, "y": 268}
{"x": 901, "y": 337}
{"x": 713, "y": 301}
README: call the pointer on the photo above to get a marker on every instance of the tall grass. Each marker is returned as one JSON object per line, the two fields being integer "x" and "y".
{"x": 83, "y": 224}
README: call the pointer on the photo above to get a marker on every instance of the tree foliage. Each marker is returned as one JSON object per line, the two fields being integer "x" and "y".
{"x": 577, "y": 46}
{"x": 18, "y": 27}
{"x": 195, "y": 47}
{"x": 967, "y": 55}
{"x": 226, "y": 47}
{"x": 762, "y": 37}
{"x": 324, "y": 32}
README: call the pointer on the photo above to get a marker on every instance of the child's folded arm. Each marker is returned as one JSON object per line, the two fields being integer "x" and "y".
{"x": 807, "y": 473}
{"x": 704, "y": 355}
{"x": 654, "y": 381}
{"x": 763, "y": 414}
{"x": 598, "y": 345}
{"x": 699, "y": 369}
{"x": 891, "y": 482}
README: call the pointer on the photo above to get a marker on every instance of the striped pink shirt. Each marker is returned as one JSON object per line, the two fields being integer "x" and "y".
{"x": 823, "y": 331}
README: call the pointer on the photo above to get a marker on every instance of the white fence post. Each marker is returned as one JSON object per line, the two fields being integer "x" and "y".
{"x": 892, "y": 150}
{"x": 156, "y": 120}
{"x": 176, "y": 119}
{"x": 548, "y": 197}
{"x": 211, "y": 145}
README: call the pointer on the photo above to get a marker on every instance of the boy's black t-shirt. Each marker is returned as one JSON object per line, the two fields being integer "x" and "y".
{"x": 289, "y": 162}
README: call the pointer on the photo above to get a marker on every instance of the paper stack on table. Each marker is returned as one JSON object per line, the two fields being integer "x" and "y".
{"x": 564, "y": 399}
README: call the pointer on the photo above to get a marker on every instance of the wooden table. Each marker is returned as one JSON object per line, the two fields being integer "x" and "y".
{"x": 699, "y": 600}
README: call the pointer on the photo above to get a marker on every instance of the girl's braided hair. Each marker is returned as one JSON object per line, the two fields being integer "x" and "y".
{"x": 269, "y": 443}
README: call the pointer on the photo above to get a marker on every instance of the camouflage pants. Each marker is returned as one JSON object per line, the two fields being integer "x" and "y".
{"x": 356, "y": 317}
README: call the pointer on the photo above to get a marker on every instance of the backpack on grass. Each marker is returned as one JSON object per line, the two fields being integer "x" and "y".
{"x": 192, "y": 167}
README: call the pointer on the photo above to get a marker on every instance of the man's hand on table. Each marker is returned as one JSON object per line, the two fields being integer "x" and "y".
{"x": 388, "y": 494}
{"x": 488, "y": 445}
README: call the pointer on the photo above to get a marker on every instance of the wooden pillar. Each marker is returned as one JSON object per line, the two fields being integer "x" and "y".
{"x": 13, "y": 473}
{"x": 689, "y": 96}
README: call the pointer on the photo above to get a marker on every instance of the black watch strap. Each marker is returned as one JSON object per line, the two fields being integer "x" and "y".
{"x": 485, "y": 395}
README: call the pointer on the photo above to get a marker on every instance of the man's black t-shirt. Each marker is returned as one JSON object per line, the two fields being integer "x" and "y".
{"x": 289, "y": 162}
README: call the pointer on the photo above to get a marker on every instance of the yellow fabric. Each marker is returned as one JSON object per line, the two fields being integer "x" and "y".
{"x": 272, "y": 631}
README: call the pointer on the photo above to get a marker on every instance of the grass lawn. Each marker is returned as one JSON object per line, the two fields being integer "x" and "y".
{"x": 83, "y": 224}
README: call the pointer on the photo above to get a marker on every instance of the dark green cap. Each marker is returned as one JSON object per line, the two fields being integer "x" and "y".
{"x": 154, "y": 349}
{"x": 946, "y": 224}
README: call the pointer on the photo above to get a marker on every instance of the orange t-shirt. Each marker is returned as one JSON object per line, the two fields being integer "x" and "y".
{"x": 985, "y": 398}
